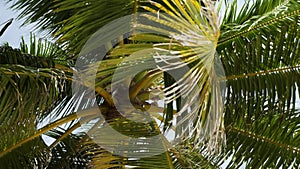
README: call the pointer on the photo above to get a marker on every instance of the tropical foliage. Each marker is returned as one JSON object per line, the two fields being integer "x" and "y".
{"x": 253, "y": 121}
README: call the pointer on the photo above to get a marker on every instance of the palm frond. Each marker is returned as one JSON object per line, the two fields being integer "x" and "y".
{"x": 45, "y": 49}
{"x": 258, "y": 17}
{"x": 261, "y": 62}
{"x": 7, "y": 24}
{"x": 28, "y": 156}
{"x": 24, "y": 78}
{"x": 192, "y": 37}
{"x": 69, "y": 22}
{"x": 68, "y": 152}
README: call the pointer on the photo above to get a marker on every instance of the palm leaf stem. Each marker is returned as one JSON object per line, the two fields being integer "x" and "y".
{"x": 66, "y": 133}
{"x": 85, "y": 113}
{"x": 262, "y": 138}
{"x": 166, "y": 145}
{"x": 261, "y": 73}
{"x": 70, "y": 130}
{"x": 259, "y": 26}
{"x": 40, "y": 73}
{"x": 148, "y": 79}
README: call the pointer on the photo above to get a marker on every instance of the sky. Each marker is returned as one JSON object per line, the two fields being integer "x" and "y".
{"x": 14, "y": 32}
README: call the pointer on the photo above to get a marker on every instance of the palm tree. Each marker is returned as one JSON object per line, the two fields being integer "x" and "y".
{"x": 258, "y": 47}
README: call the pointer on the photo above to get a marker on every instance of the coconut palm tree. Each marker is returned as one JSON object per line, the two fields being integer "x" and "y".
{"x": 242, "y": 114}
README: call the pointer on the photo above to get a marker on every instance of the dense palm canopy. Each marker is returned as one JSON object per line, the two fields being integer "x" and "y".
{"x": 258, "y": 126}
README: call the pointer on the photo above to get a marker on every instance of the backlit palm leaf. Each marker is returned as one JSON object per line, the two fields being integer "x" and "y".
{"x": 193, "y": 33}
